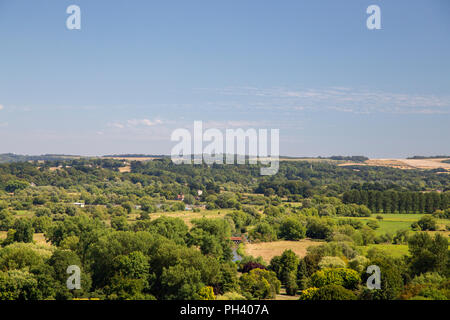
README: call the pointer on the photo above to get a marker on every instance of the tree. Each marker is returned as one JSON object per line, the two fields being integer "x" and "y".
{"x": 212, "y": 236}
{"x": 119, "y": 223}
{"x": 14, "y": 185}
{"x": 18, "y": 285}
{"x": 23, "y": 230}
{"x": 264, "y": 232}
{"x": 260, "y": 284}
{"x": 206, "y": 293}
{"x": 391, "y": 279}
{"x": 292, "y": 229}
{"x": 285, "y": 265}
{"x": 181, "y": 282}
{"x": 347, "y": 278}
{"x": 6, "y": 220}
{"x": 171, "y": 228}
{"x": 332, "y": 292}
{"x": 427, "y": 223}
{"x": 428, "y": 254}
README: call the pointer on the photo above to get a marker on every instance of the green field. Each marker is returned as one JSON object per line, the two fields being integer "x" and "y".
{"x": 394, "y": 250}
{"x": 391, "y": 223}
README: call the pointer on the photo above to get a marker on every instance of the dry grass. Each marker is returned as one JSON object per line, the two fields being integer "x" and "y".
{"x": 268, "y": 250}
{"x": 186, "y": 216}
{"x": 403, "y": 163}
{"x": 125, "y": 169}
{"x": 38, "y": 238}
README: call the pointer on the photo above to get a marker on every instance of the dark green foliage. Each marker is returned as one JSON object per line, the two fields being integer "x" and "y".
{"x": 333, "y": 292}
{"x": 426, "y": 223}
{"x": 23, "y": 230}
{"x": 429, "y": 254}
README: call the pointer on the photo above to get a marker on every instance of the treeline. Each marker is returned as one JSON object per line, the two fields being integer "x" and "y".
{"x": 398, "y": 202}
{"x": 350, "y": 158}
{"x": 428, "y": 157}
{"x": 11, "y": 157}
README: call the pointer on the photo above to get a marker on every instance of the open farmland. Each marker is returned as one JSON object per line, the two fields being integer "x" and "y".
{"x": 267, "y": 250}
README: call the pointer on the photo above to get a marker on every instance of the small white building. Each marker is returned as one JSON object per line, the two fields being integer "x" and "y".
{"x": 79, "y": 204}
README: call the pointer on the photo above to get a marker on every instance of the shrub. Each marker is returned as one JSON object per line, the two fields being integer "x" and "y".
{"x": 373, "y": 224}
{"x": 333, "y": 292}
{"x": 331, "y": 262}
{"x": 291, "y": 284}
{"x": 230, "y": 296}
{"x": 319, "y": 228}
{"x": 391, "y": 279}
{"x": 263, "y": 232}
{"x": 427, "y": 223}
{"x": 347, "y": 278}
{"x": 292, "y": 229}
{"x": 308, "y": 294}
{"x": 358, "y": 263}
{"x": 260, "y": 284}
{"x": 206, "y": 293}
{"x": 328, "y": 292}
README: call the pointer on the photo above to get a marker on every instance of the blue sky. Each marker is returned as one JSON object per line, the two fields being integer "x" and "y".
{"x": 137, "y": 70}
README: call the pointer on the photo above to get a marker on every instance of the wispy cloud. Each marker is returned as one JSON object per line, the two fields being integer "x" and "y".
{"x": 134, "y": 123}
{"x": 115, "y": 125}
{"x": 143, "y": 122}
{"x": 344, "y": 99}
{"x": 1, "y": 107}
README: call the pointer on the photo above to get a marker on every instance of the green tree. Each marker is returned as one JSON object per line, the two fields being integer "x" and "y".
{"x": 428, "y": 254}
{"x": 24, "y": 230}
{"x": 260, "y": 284}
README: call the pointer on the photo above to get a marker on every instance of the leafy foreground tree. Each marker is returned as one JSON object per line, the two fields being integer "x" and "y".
{"x": 260, "y": 284}
{"x": 429, "y": 254}
{"x": 328, "y": 292}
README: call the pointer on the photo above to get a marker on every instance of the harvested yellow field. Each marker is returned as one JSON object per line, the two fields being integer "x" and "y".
{"x": 403, "y": 163}
{"x": 268, "y": 250}
{"x": 125, "y": 169}
{"x": 427, "y": 163}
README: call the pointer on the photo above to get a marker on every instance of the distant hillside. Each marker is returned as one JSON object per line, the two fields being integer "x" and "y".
{"x": 427, "y": 157}
{"x": 133, "y": 155}
{"x": 11, "y": 157}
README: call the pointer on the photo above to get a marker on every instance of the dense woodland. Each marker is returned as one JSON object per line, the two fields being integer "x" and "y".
{"x": 117, "y": 221}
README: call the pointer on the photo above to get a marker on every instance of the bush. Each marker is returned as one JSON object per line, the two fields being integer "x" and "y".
{"x": 292, "y": 229}
{"x": 427, "y": 223}
{"x": 231, "y": 296}
{"x": 373, "y": 224}
{"x": 291, "y": 284}
{"x": 358, "y": 263}
{"x": 331, "y": 262}
{"x": 308, "y": 294}
{"x": 260, "y": 284}
{"x": 24, "y": 230}
{"x": 391, "y": 279}
{"x": 319, "y": 228}
{"x": 263, "y": 232}
{"x": 206, "y": 293}
{"x": 347, "y": 278}
{"x": 328, "y": 292}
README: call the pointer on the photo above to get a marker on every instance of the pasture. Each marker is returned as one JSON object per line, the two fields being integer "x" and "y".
{"x": 268, "y": 250}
